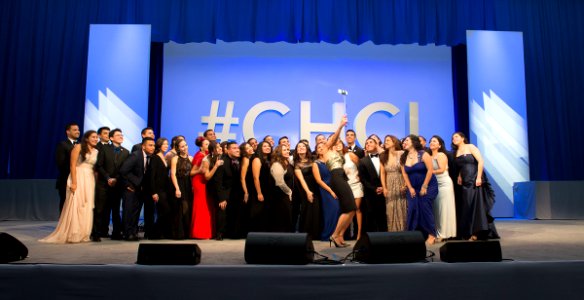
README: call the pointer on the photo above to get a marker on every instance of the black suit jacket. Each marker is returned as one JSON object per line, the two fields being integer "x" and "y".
{"x": 369, "y": 177}
{"x": 136, "y": 147}
{"x": 132, "y": 170}
{"x": 358, "y": 151}
{"x": 63, "y": 160}
{"x": 108, "y": 165}
{"x": 159, "y": 180}
{"x": 227, "y": 180}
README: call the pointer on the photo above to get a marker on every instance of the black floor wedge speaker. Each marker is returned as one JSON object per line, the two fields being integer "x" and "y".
{"x": 390, "y": 247}
{"x": 11, "y": 249}
{"x": 263, "y": 248}
{"x": 471, "y": 251}
{"x": 168, "y": 254}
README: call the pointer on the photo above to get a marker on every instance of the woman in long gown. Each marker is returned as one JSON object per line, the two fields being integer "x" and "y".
{"x": 280, "y": 207}
{"x": 246, "y": 180}
{"x": 76, "y": 218}
{"x": 263, "y": 183}
{"x": 444, "y": 206}
{"x": 209, "y": 166}
{"x": 159, "y": 183}
{"x": 477, "y": 196}
{"x": 329, "y": 203}
{"x": 201, "y": 224}
{"x": 394, "y": 186}
{"x": 422, "y": 188}
{"x": 308, "y": 191}
{"x": 181, "y": 191}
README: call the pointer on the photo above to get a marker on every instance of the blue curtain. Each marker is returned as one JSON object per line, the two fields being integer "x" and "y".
{"x": 43, "y": 55}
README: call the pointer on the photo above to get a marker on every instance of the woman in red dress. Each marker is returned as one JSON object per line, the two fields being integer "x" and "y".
{"x": 201, "y": 225}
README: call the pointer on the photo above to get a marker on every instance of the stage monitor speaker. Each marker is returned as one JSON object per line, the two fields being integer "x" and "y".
{"x": 390, "y": 247}
{"x": 471, "y": 251}
{"x": 169, "y": 254}
{"x": 263, "y": 248}
{"x": 11, "y": 249}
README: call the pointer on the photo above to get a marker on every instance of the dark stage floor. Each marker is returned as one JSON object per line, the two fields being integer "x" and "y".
{"x": 522, "y": 240}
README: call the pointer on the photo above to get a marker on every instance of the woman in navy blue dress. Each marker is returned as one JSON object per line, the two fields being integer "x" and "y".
{"x": 329, "y": 204}
{"x": 477, "y": 196}
{"x": 422, "y": 188}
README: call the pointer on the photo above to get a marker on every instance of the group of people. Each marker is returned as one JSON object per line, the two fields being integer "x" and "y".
{"x": 227, "y": 190}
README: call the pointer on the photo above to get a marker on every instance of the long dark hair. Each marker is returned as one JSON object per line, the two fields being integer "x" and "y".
{"x": 243, "y": 152}
{"x": 84, "y": 144}
{"x": 308, "y": 154}
{"x": 264, "y": 158}
{"x": 212, "y": 148}
{"x": 441, "y": 142}
{"x": 462, "y": 135}
{"x": 278, "y": 158}
{"x": 159, "y": 142}
{"x": 384, "y": 156}
{"x": 415, "y": 140}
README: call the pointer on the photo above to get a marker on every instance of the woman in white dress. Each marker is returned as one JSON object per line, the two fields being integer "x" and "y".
{"x": 444, "y": 206}
{"x": 350, "y": 166}
{"x": 77, "y": 216}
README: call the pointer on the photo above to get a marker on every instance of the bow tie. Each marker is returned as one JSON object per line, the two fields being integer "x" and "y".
{"x": 374, "y": 155}
{"x": 117, "y": 149}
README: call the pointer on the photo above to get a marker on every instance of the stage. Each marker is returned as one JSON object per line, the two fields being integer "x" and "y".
{"x": 543, "y": 259}
{"x": 522, "y": 240}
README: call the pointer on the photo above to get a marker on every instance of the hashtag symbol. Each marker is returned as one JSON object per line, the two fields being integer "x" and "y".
{"x": 227, "y": 120}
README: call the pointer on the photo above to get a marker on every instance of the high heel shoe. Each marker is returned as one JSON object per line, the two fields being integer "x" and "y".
{"x": 332, "y": 241}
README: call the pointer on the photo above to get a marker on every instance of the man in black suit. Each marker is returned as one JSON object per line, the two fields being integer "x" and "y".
{"x": 134, "y": 171}
{"x": 350, "y": 138}
{"x": 375, "y": 218}
{"x": 108, "y": 188}
{"x": 229, "y": 195}
{"x": 104, "y": 138}
{"x": 146, "y": 132}
{"x": 63, "y": 160}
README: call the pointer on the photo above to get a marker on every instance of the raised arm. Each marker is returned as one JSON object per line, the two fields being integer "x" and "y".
{"x": 210, "y": 172}
{"x": 333, "y": 140}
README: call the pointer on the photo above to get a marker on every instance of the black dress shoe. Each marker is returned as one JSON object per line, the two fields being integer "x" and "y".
{"x": 95, "y": 238}
{"x": 117, "y": 237}
{"x": 219, "y": 237}
{"x": 132, "y": 238}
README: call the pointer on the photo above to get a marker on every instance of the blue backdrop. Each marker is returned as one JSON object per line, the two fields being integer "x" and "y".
{"x": 43, "y": 56}
{"x": 247, "y": 74}
{"x": 498, "y": 118}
